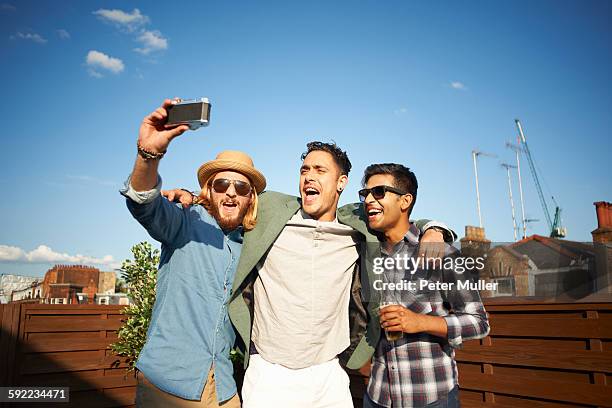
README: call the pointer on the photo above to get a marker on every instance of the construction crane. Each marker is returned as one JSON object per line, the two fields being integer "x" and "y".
{"x": 517, "y": 150}
{"x": 508, "y": 167}
{"x": 475, "y": 154}
{"x": 556, "y": 230}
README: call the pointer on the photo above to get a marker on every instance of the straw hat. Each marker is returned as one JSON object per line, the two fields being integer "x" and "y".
{"x": 233, "y": 160}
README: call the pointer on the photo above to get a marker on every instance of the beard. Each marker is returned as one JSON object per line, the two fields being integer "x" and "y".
{"x": 228, "y": 222}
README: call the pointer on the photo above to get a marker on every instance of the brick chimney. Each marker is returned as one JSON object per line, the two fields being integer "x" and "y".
{"x": 603, "y": 233}
{"x": 475, "y": 243}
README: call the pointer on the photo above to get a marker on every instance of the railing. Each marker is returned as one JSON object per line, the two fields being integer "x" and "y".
{"x": 538, "y": 354}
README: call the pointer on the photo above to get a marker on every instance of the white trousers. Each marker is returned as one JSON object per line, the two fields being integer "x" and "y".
{"x": 269, "y": 385}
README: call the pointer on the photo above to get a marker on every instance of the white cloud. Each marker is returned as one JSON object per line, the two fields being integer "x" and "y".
{"x": 7, "y": 7}
{"x": 29, "y": 36}
{"x": 127, "y": 21}
{"x": 458, "y": 85}
{"x": 97, "y": 60}
{"x": 11, "y": 254}
{"x": 94, "y": 73}
{"x": 400, "y": 111}
{"x": 151, "y": 41}
{"x": 63, "y": 34}
{"x": 44, "y": 254}
{"x": 134, "y": 23}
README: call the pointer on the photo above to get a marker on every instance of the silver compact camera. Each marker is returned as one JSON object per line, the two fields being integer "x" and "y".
{"x": 192, "y": 112}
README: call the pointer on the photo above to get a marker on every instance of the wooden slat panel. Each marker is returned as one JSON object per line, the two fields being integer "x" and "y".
{"x": 541, "y": 356}
{"x": 570, "y": 328}
{"x": 465, "y": 367}
{"x": 534, "y": 303}
{"x": 518, "y": 403}
{"x": 466, "y": 395}
{"x": 9, "y": 336}
{"x": 84, "y": 316}
{"x": 62, "y": 324}
{"x": 67, "y": 361}
{"x": 80, "y": 381}
{"x": 67, "y": 336}
{"x": 65, "y": 312}
{"x": 543, "y": 314}
{"x": 508, "y": 401}
{"x": 64, "y": 308}
{"x": 539, "y": 388}
{"x": 62, "y": 344}
{"x": 546, "y": 307}
{"x": 527, "y": 373}
{"x": 565, "y": 345}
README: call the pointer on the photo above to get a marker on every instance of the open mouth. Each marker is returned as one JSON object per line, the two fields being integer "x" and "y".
{"x": 311, "y": 194}
{"x": 229, "y": 206}
{"x": 374, "y": 213}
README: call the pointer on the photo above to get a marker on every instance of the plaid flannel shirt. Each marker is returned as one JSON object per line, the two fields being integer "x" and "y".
{"x": 420, "y": 368}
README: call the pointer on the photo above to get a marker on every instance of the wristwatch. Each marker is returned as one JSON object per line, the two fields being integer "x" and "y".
{"x": 442, "y": 231}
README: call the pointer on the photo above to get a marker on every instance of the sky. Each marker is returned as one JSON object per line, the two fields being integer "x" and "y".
{"x": 417, "y": 83}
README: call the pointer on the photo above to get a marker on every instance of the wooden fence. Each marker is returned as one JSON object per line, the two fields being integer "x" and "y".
{"x": 65, "y": 345}
{"x": 541, "y": 355}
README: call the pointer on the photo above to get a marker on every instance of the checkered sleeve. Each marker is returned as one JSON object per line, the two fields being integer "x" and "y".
{"x": 468, "y": 323}
{"x": 468, "y": 318}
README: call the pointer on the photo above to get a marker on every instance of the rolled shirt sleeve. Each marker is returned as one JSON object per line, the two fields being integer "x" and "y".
{"x": 467, "y": 325}
{"x": 166, "y": 222}
{"x": 141, "y": 197}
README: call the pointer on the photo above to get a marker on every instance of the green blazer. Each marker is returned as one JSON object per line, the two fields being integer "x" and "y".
{"x": 274, "y": 210}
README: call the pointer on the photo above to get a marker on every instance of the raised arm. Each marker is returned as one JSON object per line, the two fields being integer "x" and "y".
{"x": 162, "y": 220}
{"x": 154, "y": 137}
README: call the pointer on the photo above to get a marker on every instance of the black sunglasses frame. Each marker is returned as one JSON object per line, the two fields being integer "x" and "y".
{"x": 378, "y": 192}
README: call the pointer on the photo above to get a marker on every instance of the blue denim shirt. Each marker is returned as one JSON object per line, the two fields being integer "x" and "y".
{"x": 190, "y": 328}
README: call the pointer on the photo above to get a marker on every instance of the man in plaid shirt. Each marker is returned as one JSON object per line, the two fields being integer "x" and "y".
{"x": 432, "y": 312}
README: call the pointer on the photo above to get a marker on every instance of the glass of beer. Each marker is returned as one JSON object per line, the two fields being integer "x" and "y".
{"x": 391, "y": 335}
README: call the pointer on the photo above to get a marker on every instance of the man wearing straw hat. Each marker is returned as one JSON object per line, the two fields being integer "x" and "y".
{"x": 185, "y": 361}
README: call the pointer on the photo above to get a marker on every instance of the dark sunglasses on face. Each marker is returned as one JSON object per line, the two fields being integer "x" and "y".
{"x": 378, "y": 192}
{"x": 221, "y": 185}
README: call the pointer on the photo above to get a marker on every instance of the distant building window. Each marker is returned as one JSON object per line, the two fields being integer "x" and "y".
{"x": 505, "y": 286}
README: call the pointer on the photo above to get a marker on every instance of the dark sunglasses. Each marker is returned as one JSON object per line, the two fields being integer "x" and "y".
{"x": 378, "y": 192}
{"x": 242, "y": 188}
